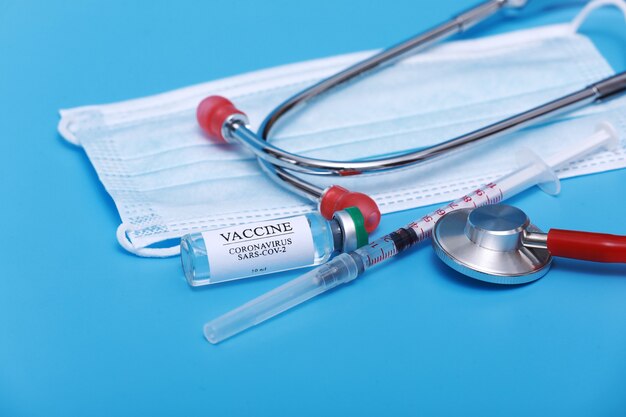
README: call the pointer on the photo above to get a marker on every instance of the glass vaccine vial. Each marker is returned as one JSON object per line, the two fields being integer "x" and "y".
{"x": 254, "y": 249}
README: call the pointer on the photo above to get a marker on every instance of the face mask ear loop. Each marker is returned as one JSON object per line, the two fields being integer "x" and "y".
{"x": 65, "y": 128}
{"x": 124, "y": 242}
{"x": 596, "y": 4}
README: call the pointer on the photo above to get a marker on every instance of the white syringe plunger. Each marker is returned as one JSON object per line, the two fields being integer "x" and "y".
{"x": 535, "y": 170}
{"x": 605, "y": 137}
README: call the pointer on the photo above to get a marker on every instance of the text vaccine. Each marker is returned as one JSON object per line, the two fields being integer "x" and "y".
{"x": 253, "y": 249}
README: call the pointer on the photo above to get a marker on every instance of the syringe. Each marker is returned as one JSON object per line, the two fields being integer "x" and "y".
{"x": 348, "y": 266}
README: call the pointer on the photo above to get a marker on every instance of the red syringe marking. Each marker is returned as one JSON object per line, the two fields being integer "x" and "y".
{"x": 388, "y": 246}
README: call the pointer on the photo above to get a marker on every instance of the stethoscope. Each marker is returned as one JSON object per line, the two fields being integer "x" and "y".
{"x": 221, "y": 120}
{"x": 498, "y": 244}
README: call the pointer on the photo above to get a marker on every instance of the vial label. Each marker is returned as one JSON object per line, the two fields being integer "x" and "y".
{"x": 260, "y": 248}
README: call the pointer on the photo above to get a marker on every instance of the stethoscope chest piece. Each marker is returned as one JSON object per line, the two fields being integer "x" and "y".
{"x": 486, "y": 243}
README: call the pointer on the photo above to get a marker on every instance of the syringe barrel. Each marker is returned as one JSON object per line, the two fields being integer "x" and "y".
{"x": 340, "y": 270}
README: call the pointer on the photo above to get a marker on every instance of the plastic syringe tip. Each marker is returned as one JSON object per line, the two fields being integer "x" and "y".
{"x": 340, "y": 270}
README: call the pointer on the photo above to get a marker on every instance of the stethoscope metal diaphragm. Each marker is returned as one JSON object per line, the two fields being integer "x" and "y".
{"x": 486, "y": 243}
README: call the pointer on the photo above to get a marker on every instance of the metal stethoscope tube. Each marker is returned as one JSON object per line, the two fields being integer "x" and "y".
{"x": 223, "y": 121}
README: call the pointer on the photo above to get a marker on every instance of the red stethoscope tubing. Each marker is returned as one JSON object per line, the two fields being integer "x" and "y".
{"x": 597, "y": 247}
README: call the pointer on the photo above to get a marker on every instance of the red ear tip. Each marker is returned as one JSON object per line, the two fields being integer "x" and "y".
{"x": 338, "y": 198}
{"x": 212, "y": 113}
{"x": 369, "y": 209}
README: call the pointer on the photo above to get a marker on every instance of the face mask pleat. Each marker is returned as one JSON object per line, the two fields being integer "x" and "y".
{"x": 412, "y": 131}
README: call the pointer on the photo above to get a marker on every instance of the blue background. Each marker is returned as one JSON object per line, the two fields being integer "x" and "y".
{"x": 87, "y": 329}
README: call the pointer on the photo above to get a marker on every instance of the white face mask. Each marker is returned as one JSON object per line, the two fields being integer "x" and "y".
{"x": 167, "y": 179}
